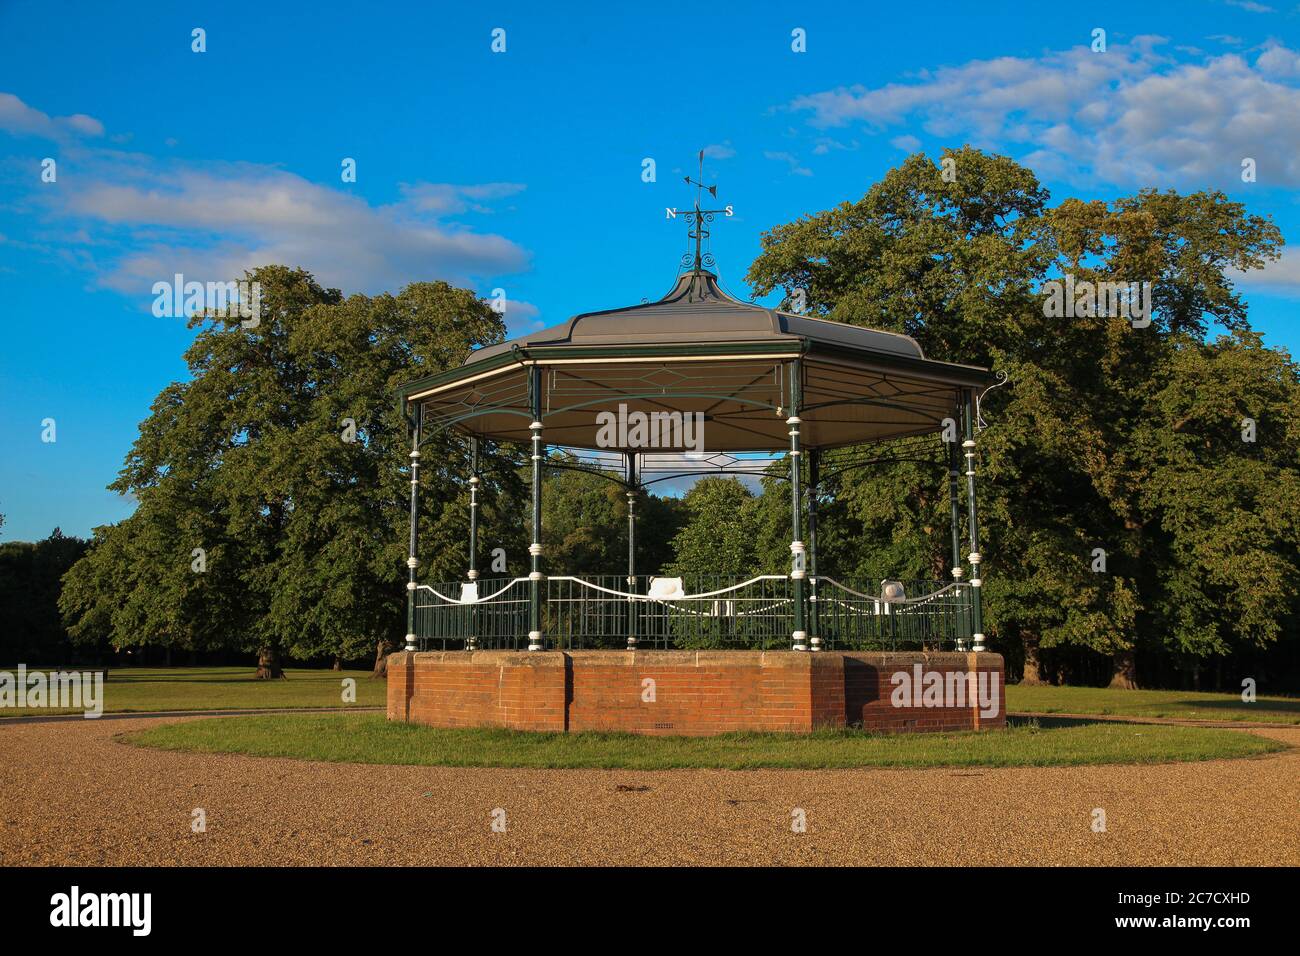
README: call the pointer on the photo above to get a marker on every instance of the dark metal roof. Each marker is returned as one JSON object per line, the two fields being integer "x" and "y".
{"x": 699, "y": 350}
{"x": 697, "y": 311}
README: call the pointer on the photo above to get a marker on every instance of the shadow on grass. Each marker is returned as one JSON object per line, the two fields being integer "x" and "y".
{"x": 1053, "y": 723}
{"x": 241, "y": 676}
{"x": 1273, "y": 704}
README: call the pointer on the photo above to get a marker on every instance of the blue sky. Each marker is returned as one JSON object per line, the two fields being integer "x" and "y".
{"x": 522, "y": 170}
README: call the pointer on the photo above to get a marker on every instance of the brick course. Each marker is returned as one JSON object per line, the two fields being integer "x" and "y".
{"x": 695, "y": 692}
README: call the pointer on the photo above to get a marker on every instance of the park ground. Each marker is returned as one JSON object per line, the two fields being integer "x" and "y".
{"x": 76, "y": 795}
{"x": 103, "y": 792}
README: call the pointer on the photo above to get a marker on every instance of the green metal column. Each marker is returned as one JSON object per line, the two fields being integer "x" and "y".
{"x": 977, "y": 611}
{"x": 412, "y": 562}
{"x": 814, "y": 479}
{"x": 535, "y": 640}
{"x": 798, "y": 572}
{"x": 471, "y": 639}
{"x": 473, "y": 509}
{"x": 630, "y": 457}
{"x": 954, "y": 496}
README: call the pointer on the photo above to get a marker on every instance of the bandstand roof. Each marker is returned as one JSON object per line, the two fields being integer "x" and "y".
{"x": 698, "y": 349}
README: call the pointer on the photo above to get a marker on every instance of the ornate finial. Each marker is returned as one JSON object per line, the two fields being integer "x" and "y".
{"x": 698, "y": 219}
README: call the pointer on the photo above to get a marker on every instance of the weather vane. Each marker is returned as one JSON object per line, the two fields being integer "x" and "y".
{"x": 698, "y": 220}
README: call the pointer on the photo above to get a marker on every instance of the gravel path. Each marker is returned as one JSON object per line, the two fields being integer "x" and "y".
{"x": 71, "y": 794}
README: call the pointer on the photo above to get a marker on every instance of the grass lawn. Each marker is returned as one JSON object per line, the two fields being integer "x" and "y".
{"x": 137, "y": 689}
{"x": 233, "y": 688}
{"x": 370, "y": 738}
{"x": 1191, "y": 705}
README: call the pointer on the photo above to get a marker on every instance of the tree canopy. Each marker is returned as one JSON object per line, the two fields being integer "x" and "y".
{"x": 30, "y": 627}
{"x": 271, "y": 485}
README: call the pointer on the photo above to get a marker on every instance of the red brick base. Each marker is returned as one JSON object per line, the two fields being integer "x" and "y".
{"x": 698, "y": 692}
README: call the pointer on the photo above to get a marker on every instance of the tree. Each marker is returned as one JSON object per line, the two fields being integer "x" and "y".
{"x": 30, "y": 629}
{"x": 271, "y": 483}
{"x": 584, "y": 517}
{"x": 953, "y": 264}
{"x": 1071, "y": 465}
{"x": 1185, "y": 247}
{"x": 659, "y": 520}
{"x": 721, "y": 530}
{"x": 1221, "y": 507}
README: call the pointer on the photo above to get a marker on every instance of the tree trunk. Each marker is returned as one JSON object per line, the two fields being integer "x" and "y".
{"x": 382, "y": 650}
{"x": 1123, "y": 670}
{"x": 268, "y": 664}
{"x": 1033, "y": 668}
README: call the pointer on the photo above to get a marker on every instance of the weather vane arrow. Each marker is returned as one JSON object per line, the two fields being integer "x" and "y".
{"x": 698, "y": 218}
{"x": 713, "y": 190}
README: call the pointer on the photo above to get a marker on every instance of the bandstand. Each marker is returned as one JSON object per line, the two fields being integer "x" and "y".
{"x": 772, "y": 393}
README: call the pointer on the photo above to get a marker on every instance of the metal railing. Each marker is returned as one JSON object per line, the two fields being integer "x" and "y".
{"x": 498, "y": 619}
{"x": 707, "y": 611}
{"x": 930, "y": 615}
{"x": 693, "y": 612}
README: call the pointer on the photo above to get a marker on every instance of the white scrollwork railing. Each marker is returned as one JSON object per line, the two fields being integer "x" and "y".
{"x": 459, "y": 602}
{"x": 703, "y": 595}
{"x": 905, "y": 602}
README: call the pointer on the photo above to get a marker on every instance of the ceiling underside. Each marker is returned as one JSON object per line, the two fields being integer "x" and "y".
{"x": 741, "y": 401}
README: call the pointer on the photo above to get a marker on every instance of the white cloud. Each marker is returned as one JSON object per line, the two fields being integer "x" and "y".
{"x": 827, "y": 144}
{"x": 1282, "y": 276}
{"x": 132, "y": 221}
{"x": 19, "y": 119}
{"x": 521, "y": 315}
{"x": 151, "y": 218}
{"x": 907, "y": 143}
{"x": 719, "y": 151}
{"x": 790, "y": 160}
{"x": 1278, "y": 61}
{"x": 1128, "y": 116}
{"x": 448, "y": 199}
{"x": 1250, "y": 5}
{"x": 216, "y": 220}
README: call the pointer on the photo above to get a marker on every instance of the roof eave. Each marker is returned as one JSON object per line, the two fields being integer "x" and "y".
{"x": 529, "y": 355}
{"x": 962, "y": 375}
